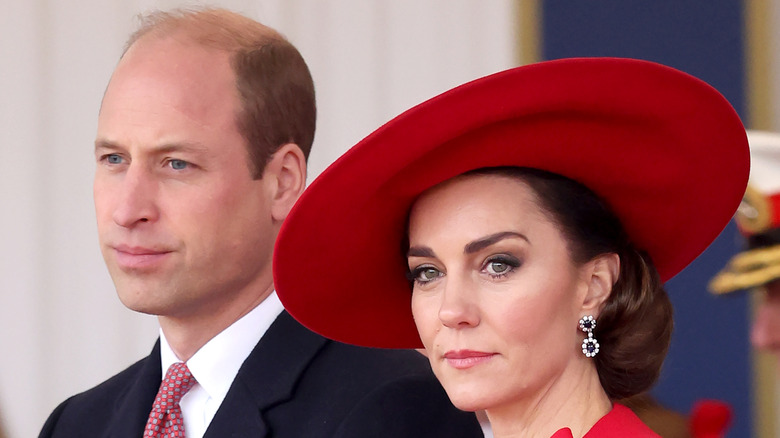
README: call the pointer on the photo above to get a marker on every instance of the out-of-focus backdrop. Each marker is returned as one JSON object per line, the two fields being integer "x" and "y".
{"x": 62, "y": 329}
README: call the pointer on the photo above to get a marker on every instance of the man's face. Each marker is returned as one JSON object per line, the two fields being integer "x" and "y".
{"x": 766, "y": 328}
{"x": 184, "y": 229}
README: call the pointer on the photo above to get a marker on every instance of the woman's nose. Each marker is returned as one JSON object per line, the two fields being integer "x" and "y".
{"x": 459, "y": 307}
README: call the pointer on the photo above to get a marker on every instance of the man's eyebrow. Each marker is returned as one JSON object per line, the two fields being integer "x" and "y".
{"x": 486, "y": 241}
{"x": 105, "y": 144}
{"x": 194, "y": 147}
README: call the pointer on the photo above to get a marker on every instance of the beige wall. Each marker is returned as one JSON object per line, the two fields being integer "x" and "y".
{"x": 62, "y": 329}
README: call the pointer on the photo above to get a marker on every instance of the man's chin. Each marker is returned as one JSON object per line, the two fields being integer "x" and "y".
{"x": 142, "y": 298}
{"x": 142, "y": 307}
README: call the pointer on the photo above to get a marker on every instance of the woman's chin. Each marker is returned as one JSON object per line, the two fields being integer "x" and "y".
{"x": 469, "y": 401}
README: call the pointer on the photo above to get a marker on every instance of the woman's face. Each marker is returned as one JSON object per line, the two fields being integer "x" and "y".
{"x": 497, "y": 297}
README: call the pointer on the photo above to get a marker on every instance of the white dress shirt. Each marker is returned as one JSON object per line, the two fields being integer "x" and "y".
{"x": 216, "y": 364}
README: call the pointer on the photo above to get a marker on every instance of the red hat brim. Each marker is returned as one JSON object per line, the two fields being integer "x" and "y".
{"x": 665, "y": 150}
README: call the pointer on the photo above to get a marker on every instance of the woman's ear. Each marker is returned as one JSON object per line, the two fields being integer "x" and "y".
{"x": 602, "y": 273}
{"x": 286, "y": 171}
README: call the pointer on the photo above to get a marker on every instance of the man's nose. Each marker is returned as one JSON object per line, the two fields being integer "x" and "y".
{"x": 136, "y": 198}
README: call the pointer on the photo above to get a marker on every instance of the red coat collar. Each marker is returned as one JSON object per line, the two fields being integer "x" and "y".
{"x": 620, "y": 422}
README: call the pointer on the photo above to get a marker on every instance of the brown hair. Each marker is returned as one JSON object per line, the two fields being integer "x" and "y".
{"x": 634, "y": 328}
{"x": 273, "y": 82}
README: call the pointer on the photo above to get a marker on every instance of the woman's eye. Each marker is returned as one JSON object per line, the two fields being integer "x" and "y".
{"x": 425, "y": 274}
{"x": 500, "y": 266}
{"x": 497, "y": 268}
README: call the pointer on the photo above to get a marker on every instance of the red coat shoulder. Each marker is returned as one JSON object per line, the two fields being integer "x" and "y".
{"x": 620, "y": 422}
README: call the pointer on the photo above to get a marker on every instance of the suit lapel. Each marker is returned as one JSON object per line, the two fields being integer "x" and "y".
{"x": 132, "y": 408}
{"x": 267, "y": 377}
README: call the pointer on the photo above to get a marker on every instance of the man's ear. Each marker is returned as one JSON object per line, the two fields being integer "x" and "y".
{"x": 286, "y": 174}
{"x": 601, "y": 274}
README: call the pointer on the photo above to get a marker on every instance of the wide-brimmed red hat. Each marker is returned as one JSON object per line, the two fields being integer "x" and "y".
{"x": 665, "y": 150}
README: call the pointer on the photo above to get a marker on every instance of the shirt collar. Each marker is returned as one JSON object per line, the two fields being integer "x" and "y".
{"x": 216, "y": 364}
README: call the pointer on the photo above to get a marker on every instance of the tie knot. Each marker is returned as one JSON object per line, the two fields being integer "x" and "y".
{"x": 165, "y": 419}
{"x": 178, "y": 380}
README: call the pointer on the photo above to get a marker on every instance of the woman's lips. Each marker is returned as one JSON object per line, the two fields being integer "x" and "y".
{"x": 463, "y": 359}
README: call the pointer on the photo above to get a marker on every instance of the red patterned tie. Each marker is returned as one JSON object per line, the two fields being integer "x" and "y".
{"x": 165, "y": 420}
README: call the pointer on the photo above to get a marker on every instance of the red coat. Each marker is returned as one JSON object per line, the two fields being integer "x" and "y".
{"x": 620, "y": 422}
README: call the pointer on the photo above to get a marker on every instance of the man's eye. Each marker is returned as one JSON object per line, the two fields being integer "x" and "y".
{"x": 114, "y": 159}
{"x": 178, "y": 164}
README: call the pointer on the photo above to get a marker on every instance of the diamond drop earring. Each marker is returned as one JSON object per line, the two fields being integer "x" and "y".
{"x": 590, "y": 346}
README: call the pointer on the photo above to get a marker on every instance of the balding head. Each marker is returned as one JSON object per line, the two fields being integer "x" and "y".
{"x": 275, "y": 87}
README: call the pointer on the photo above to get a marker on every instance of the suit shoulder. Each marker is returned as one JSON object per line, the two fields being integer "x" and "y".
{"x": 112, "y": 387}
{"x": 389, "y": 393}
{"x": 81, "y": 410}
{"x": 413, "y": 406}
{"x": 379, "y": 362}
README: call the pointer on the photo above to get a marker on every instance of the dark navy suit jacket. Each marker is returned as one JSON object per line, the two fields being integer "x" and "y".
{"x": 294, "y": 384}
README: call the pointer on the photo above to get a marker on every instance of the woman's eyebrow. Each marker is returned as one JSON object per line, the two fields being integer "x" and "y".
{"x": 486, "y": 241}
{"x": 420, "y": 251}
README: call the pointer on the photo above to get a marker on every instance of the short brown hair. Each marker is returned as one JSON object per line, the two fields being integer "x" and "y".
{"x": 635, "y": 326}
{"x": 272, "y": 79}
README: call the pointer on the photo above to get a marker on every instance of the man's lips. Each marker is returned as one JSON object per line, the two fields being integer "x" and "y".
{"x": 462, "y": 359}
{"x": 137, "y": 257}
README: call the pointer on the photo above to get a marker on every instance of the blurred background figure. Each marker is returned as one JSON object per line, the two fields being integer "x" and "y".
{"x": 757, "y": 268}
{"x": 758, "y": 219}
